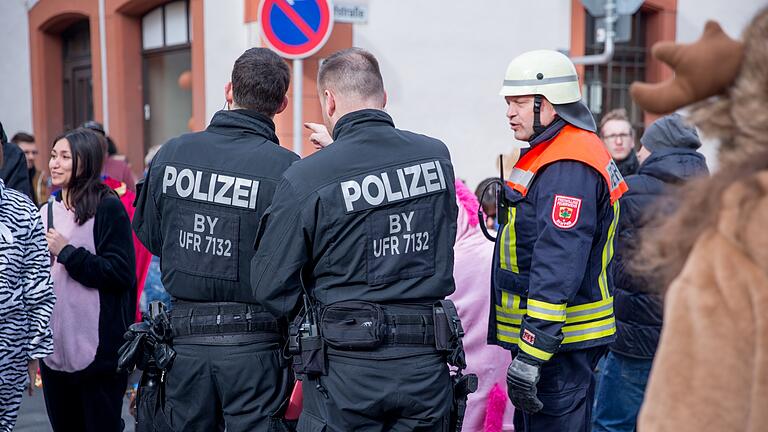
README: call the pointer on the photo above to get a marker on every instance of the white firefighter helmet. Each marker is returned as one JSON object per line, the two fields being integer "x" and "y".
{"x": 544, "y": 72}
{"x": 552, "y": 75}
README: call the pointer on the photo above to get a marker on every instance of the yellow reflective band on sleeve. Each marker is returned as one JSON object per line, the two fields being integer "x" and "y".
{"x": 508, "y": 244}
{"x": 589, "y": 331}
{"x": 546, "y": 311}
{"x": 602, "y": 280}
{"x": 509, "y": 334}
{"x": 539, "y": 354}
{"x": 509, "y": 311}
{"x": 589, "y": 311}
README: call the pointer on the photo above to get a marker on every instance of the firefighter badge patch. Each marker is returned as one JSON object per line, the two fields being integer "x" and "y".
{"x": 529, "y": 337}
{"x": 565, "y": 211}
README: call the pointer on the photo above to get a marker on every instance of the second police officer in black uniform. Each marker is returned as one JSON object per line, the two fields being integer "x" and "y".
{"x": 366, "y": 227}
{"x": 199, "y": 211}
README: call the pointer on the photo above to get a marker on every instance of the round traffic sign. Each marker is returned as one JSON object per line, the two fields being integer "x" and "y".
{"x": 295, "y": 28}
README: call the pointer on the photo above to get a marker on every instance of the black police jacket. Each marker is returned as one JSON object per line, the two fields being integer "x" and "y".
{"x": 371, "y": 217}
{"x": 13, "y": 169}
{"x": 637, "y": 301}
{"x": 200, "y": 206}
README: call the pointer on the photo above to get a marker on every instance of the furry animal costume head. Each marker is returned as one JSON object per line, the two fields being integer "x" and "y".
{"x": 726, "y": 80}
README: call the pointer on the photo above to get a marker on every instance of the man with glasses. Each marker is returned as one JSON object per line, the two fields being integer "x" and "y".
{"x": 619, "y": 137}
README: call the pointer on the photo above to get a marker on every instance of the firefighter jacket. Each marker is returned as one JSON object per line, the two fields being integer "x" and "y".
{"x": 552, "y": 281}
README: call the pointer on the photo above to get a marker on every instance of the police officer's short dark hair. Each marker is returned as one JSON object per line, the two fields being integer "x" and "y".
{"x": 260, "y": 80}
{"x": 352, "y": 72}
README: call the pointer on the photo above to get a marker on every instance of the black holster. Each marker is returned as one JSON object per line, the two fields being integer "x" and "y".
{"x": 150, "y": 403}
{"x": 306, "y": 346}
{"x": 148, "y": 347}
{"x": 448, "y": 334}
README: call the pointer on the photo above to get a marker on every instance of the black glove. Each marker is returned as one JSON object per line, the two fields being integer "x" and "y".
{"x": 521, "y": 386}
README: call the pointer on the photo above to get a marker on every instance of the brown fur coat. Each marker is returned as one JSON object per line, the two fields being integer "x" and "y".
{"x": 711, "y": 369}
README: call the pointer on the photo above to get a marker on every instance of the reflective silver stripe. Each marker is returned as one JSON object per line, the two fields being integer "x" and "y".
{"x": 509, "y": 315}
{"x": 521, "y": 177}
{"x": 531, "y": 82}
{"x": 569, "y": 334}
{"x": 506, "y": 244}
{"x": 591, "y": 311}
{"x": 510, "y": 301}
{"x": 507, "y": 333}
{"x": 546, "y": 311}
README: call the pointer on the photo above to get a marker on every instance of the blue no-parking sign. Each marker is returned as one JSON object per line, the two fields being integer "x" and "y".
{"x": 296, "y": 29}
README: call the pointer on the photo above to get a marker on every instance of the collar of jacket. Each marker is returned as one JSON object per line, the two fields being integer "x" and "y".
{"x": 674, "y": 165}
{"x": 243, "y": 121}
{"x": 629, "y": 165}
{"x": 364, "y": 117}
{"x": 550, "y": 132}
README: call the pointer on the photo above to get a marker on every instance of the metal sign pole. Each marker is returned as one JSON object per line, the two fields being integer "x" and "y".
{"x": 298, "y": 84}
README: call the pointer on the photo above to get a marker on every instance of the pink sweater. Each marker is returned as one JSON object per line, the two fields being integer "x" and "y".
{"x": 472, "y": 273}
{"x": 75, "y": 320}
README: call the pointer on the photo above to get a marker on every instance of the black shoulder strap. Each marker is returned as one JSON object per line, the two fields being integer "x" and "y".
{"x": 51, "y": 199}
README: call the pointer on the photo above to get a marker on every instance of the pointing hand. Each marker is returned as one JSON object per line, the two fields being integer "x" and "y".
{"x": 320, "y": 138}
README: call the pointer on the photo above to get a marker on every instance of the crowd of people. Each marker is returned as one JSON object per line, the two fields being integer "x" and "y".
{"x": 621, "y": 289}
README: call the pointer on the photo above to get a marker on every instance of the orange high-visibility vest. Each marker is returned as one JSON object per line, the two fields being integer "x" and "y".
{"x": 574, "y": 144}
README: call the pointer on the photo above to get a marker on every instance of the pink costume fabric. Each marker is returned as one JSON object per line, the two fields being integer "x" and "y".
{"x": 473, "y": 254}
{"x": 75, "y": 319}
{"x": 143, "y": 256}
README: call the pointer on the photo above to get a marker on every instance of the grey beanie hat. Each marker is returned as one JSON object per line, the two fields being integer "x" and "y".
{"x": 670, "y": 131}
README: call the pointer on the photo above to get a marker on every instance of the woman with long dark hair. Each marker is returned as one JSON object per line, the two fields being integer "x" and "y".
{"x": 94, "y": 280}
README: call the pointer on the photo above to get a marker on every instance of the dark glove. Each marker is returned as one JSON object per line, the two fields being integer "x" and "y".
{"x": 521, "y": 386}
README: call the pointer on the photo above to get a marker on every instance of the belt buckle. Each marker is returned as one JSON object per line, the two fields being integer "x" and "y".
{"x": 248, "y": 318}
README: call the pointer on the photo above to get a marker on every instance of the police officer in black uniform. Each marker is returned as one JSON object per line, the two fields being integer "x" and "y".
{"x": 199, "y": 211}
{"x": 366, "y": 227}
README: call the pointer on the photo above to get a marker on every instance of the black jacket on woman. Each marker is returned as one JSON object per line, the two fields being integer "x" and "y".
{"x": 637, "y": 303}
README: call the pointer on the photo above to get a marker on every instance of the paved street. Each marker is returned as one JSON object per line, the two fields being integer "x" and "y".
{"x": 32, "y": 416}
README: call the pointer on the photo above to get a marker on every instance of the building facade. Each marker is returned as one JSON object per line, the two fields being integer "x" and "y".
{"x": 153, "y": 69}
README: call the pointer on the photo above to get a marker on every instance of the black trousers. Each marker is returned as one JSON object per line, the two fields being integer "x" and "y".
{"x": 567, "y": 390}
{"x": 240, "y": 387}
{"x": 83, "y": 401}
{"x": 358, "y": 394}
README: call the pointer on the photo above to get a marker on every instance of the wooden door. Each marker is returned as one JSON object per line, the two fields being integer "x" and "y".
{"x": 78, "y": 78}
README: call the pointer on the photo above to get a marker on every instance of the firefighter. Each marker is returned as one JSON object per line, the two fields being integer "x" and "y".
{"x": 552, "y": 283}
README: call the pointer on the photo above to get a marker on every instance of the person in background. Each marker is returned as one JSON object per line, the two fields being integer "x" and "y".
{"x": 487, "y": 197}
{"x": 38, "y": 181}
{"x": 113, "y": 166}
{"x": 127, "y": 197}
{"x": 153, "y": 283}
{"x": 13, "y": 170}
{"x": 619, "y": 138}
{"x": 26, "y": 300}
{"x": 488, "y": 409}
{"x": 668, "y": 158}
{"x": 94, "y": 281}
